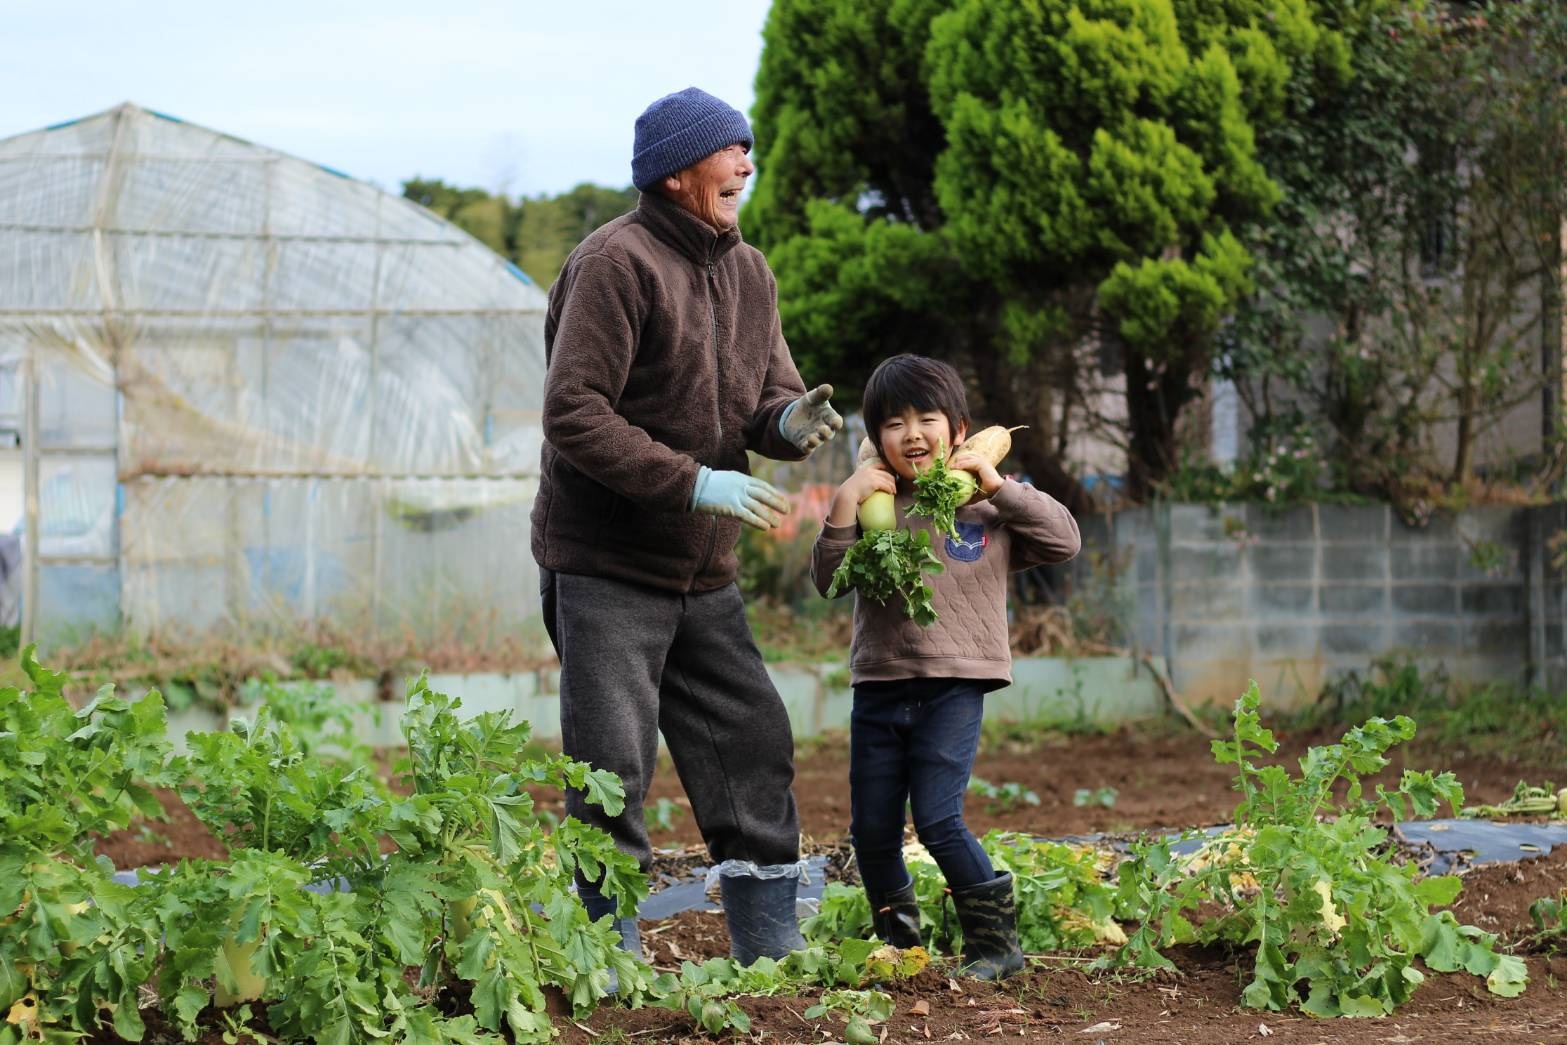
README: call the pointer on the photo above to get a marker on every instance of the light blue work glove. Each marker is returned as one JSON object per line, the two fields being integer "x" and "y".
{"x": 810, "y": 421}
{"x": 736, "y": 495}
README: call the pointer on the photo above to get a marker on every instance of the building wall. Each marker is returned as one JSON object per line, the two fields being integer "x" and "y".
{"x": 1291, "y": 598}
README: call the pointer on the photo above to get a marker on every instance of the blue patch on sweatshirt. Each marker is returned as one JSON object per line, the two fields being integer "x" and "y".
{"x": 970, "y": 542}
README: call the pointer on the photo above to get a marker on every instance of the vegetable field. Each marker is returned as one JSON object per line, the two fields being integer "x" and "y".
{"x": 303, "y": 888}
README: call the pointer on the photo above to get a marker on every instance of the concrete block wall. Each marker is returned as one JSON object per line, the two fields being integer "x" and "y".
{"x": 1546, "y": 590}
{"x": 1292, "y": 597}
{"x": 1103, "y": 691}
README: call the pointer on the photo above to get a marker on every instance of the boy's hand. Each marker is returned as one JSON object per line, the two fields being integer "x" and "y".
{"x": 869, "y": 478}
{"x": 989, "y": 479}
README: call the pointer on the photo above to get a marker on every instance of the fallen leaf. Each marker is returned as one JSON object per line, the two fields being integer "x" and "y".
{"x": 1263, "y": 1031}
{"x": 921, "y": 1008}
{"x": 1100, "y": 1028}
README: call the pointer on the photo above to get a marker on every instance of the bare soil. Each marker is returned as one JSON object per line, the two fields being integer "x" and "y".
{"x": 1056, "y": 998}
{"x": 1162, "y": 780}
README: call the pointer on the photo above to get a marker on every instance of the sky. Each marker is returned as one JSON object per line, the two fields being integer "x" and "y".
{"x": 526, "y": 97}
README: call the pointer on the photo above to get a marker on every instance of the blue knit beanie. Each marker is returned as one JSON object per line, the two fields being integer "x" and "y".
{"x": 679, "y": 129}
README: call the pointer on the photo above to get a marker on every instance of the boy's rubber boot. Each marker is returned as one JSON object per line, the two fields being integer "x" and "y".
{"x": 988, "y": 914}
{"x": 896, "y": 917}
{"x": 630, "y": 936}
{"x": 760, "y": 915}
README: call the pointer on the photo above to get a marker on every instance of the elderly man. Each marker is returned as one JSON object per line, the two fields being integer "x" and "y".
{"x": 667, "y": 363}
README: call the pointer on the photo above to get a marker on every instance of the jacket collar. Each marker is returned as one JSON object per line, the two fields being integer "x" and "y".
{"x": 684, "y": 231}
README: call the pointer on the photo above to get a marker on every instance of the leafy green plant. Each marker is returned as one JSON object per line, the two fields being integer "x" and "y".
{"x": 1549, "y": 914}
{"x": 706, "y": 991}
{"x": 75, "y": 949}
{"x": 1063, "y": 897}
{"x": 260, "y": 786}
{"x": 704, "y": 995}
{"x": 67, "y": 775}
{"x": 322, "y": 722}
{"x": 1002, "y": 797}
{"x": 307, "y": 920}
{"x": 309, "y": 930}
{"x": 1556, "y": 548}
{"x": 1490, "y": 557}
{"x": 476, "y": 891}
{"x": 661, "y": 815}
{"x": 1305, "y": 875}
{"x": 318, "y": 661}
{"x": 1284, "y": 468}
{"x": 236, "y": 1027}
{"x": 859, "y": 1010}
{"x": 1100, "y": 796}
{"x": 939, "y": 491}
{"x": 1393, "y": 685}
{"x": 1491, "y": 718}
{"x": 888, "y": 564}
{"x": 1527, "y": 800}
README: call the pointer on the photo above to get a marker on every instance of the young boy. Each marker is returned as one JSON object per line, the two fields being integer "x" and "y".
{"x": 918, "y": 691}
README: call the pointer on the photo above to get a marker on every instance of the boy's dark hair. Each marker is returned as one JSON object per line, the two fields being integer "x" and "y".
{"x": 913, "y": 381}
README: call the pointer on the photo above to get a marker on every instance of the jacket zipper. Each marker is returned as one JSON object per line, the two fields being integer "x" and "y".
{"x": 718, "y": 409}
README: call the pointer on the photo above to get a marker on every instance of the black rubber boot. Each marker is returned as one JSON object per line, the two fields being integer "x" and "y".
{"x": 896, "y": 916}
{"x": 988, "y": 914}
{"x": 630, "y": 936}
{"x": 760, "y": 915}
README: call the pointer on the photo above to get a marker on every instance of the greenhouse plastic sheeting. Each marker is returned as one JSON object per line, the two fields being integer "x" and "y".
{"x": 253, "y": 390}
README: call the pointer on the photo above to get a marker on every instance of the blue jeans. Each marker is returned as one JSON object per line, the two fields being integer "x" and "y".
{"x": 913, "y": 743}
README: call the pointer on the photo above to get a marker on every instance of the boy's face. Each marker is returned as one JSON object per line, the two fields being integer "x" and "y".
{"x": 909, "y": 440}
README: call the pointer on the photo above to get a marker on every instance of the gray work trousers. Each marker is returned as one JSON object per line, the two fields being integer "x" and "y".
{"x": 636, "y": 661}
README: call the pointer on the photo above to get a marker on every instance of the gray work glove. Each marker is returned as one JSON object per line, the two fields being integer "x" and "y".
{"x": 810, "y": 421}
{"x": 736, "y": 495}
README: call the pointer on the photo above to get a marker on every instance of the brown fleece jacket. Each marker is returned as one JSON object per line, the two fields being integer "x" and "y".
{"x": 665, "y": 352}
{"x": 1016, "y": 528}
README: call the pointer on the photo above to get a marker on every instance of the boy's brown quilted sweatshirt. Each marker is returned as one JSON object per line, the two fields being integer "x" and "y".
{"x": 1015, "y": 529}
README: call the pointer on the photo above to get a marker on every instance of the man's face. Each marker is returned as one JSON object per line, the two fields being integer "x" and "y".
{"x": 710, "y": 188}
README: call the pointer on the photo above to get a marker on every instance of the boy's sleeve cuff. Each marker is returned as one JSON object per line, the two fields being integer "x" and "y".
{"x": 844, "y": 535}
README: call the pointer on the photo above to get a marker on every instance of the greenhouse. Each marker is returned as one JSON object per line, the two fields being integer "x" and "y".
{"x": 242, "y": 391}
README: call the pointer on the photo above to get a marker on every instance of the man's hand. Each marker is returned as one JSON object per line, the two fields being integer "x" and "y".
{"x": 810, "y": 421}
{"x": 736, "y": 495}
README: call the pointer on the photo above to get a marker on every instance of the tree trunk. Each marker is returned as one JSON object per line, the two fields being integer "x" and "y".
{"x": 1463, "y": 450}
{"x": 1153, "y": 403}
{"x": 1031, "y": 446}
